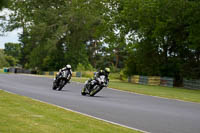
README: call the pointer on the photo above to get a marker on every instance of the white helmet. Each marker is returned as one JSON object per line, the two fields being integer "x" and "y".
{"x": 68, "y": 66}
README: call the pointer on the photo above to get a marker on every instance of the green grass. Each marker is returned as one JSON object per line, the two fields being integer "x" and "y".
{"x": 20, "y": 114}
{"x": 165, "y": 92}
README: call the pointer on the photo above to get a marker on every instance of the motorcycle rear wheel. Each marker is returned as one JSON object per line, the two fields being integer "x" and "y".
{"x": 61, "y": 84}
{"x": 95, "y": 91}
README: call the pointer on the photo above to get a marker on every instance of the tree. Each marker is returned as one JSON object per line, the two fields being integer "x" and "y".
{"x": 3, "y": 3}
{"x": 56, "y": 32}
{"x": 11, "y": 60}
{"x": 12, "y": 49}
{"x": 164, "y": 32}
{"x": 3, "y": 62}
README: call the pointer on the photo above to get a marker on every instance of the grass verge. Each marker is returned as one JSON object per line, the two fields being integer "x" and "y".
{"x": 165, "y": 92}
{"x": 19, "y": 114}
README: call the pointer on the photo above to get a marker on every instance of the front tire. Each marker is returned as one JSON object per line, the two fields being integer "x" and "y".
{"x": 54, "y": 86}
{"x": 83, "y": 92}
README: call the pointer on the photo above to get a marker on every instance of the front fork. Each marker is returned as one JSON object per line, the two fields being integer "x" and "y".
{"x": 87, "y": 86}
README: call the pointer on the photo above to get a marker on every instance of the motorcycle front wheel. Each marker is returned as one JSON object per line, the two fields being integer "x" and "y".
{"x": 83, "y": 92}
{"x": 54, "y": 86}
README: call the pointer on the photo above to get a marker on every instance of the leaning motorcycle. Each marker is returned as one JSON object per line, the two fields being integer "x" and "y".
{"x": 90, "y": 89}
{"x": 61, "y": 81}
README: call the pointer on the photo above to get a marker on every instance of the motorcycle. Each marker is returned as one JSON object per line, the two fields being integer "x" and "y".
{"x": 91, "y": 89}
{"x": 61, "y": 80}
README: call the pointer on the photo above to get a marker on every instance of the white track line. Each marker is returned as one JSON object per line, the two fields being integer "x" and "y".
{"x": 114, "y": 123}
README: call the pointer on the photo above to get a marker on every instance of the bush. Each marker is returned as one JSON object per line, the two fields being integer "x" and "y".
{"x": 88, "y": 74}
{"x": 80, "y": 67}
{"x": 114, "y": 69}
{"x": 123, "y": 75}
{"x": 114, "y": 76}
{"x": 90, "y": 68}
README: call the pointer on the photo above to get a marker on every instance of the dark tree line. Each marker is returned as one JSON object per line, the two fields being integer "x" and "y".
{"x": 168, "y": 37}
{"x": 3, "y": 3}
{"x": 146, "y": 37}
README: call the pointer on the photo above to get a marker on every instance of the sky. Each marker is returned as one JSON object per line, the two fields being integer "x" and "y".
{"x": 9, "y": 36}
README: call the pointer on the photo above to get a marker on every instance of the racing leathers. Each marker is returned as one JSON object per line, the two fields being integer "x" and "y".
{"x": 64, "y": 69}
{"x": 94, "y": 81}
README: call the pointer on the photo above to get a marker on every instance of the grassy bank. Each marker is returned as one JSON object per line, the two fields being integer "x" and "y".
{"x": 165, "y": 92}
{"x": 20, "y": 114}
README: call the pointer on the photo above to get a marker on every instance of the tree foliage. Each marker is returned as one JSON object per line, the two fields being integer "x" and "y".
{"x": 55, "y": 32}
{"x": 12, "y": 49}
{"x": 147, "y": 37}
{"x": 3, "y": 62}
{"x": 3, "y": 3}
{"x": 167, "y": 36}
{"x": 8, "y": 58}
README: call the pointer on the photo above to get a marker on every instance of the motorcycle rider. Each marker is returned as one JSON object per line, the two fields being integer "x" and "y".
{"x": 94, "y": 81}
{"x": 66, "y": 68}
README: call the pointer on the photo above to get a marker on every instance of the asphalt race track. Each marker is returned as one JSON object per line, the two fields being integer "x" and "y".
{"x": 147, "y": 113}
